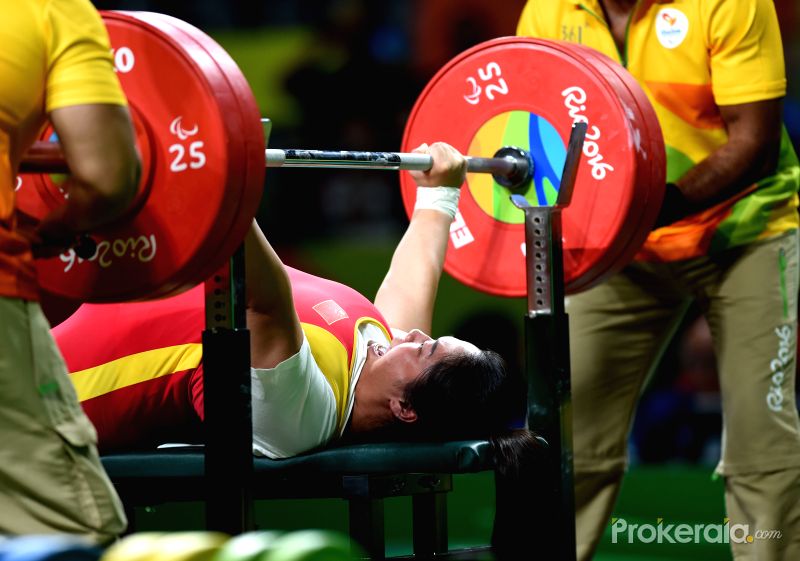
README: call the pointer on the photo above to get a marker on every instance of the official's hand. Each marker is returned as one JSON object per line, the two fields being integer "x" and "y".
{"x": 45, "y": 241}
{"x": 675, "y": 207}
{"x": 449, "y": 166}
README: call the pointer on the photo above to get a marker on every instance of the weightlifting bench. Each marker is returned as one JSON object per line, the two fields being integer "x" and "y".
{"x": 363, "y": 475}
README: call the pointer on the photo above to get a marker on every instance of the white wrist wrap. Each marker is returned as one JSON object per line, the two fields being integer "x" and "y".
{"x": 443, "y": 199}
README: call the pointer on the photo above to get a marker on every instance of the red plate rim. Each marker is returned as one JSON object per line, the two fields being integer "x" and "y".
{"x": 645, "y": 209}
{"x": 249, "y": 132}
{"x": 213, "y": 80}
{"x": 654, "y": 177}
{"x": 614, "y": 259}
{"x": 210, "y": 79}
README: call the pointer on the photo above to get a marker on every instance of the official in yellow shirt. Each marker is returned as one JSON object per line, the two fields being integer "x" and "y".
{"x": 726, "y": 240}
{"x": 56, "y": 65}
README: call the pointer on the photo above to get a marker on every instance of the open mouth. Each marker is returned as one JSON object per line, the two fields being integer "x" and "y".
{"x": 378, "y": 349}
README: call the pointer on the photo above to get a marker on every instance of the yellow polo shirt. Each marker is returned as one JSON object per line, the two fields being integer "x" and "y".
{"x": 55, "y": 53}
{"x": 691, "y": 56}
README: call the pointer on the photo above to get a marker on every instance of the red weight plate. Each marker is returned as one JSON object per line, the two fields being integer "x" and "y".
{"x": 195, "y": 184}
{"x": 196, "y": 270}
{"x": 525, "y": 92}
{"x": 653, "y": 151}
{"x": 650, "y": 146}
{"x": 49, "y": 185}
{"x": 615, "y": 256}
{"x": 227, "y": 163}
{"x": 247, "y": 147}
{"x": 247, "y": 120}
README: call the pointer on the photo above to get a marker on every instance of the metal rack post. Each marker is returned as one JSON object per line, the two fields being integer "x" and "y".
{"x": 228, "y": 416}
{"x": 545, "y": 491}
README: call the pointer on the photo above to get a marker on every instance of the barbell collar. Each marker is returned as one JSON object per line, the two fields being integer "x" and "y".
{"x": 516, "y": 171}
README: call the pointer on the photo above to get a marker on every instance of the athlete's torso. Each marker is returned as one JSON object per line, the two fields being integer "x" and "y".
{"x": 137, "y": 367}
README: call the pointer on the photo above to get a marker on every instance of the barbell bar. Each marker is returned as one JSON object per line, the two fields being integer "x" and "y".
{"x": 511, "y": 166}
{"x": 203, "y": 148}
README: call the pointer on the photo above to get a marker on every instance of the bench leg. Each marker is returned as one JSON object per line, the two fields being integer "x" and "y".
{"x": 367, "y": 527}
{"x": 429, "y": 524}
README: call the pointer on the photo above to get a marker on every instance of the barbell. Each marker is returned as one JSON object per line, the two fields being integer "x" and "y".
{"x": 510, "y": 166}
{"x": 509, "y": 104}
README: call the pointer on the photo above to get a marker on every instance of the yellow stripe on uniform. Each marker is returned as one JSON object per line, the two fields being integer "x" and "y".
{"x": 331, "y": 357}
{"x": 134, "y": 369}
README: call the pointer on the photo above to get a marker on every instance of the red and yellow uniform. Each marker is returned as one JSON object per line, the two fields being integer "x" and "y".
{"x": 140, "y": 379}
{"x": 137, "y": 368}
{"x": 331, "y": 315}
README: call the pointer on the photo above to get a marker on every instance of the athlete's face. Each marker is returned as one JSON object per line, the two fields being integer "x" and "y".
{"x": 407, "y": 358}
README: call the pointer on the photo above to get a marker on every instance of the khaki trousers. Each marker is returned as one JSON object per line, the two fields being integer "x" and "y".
{"x": 618, "y": 332}
{"x": 51, "y": 479}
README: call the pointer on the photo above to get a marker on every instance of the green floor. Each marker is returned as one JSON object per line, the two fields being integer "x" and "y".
{"x": 677, "y": 495}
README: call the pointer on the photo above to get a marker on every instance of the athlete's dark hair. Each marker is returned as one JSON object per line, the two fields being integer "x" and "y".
{"x": 463, "y": 394}
{"x": 467, "y": 396}
{"x": 473, "y": 396}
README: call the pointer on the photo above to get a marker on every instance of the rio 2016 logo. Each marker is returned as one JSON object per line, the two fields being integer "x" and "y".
{"x": 672, "y": 27}
{"x": 575, "y": 100}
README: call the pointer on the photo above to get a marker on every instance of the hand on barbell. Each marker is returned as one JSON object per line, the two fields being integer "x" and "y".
{"x": 449, "y": 166}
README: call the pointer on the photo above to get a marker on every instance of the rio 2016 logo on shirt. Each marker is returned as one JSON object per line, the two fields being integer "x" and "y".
{"x": 672, "y": 26}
